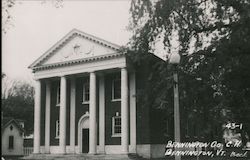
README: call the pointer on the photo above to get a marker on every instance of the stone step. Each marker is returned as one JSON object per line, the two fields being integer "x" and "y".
{"x": 77, "y": 157}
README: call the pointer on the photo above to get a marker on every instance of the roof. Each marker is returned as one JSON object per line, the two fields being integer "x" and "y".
{"x": 84, "y": 60}
{"x": 6, "y": 121}
{"x": 65, "y": 39}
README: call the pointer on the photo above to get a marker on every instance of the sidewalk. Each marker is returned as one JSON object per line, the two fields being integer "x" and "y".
{"x": 110, "y": 157}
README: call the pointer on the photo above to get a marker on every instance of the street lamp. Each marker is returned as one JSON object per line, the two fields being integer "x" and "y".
{"x": 174, "y": 59}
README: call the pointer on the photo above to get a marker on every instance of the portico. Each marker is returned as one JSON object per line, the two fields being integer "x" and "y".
{"x": 104, "y": 58}
{"x": 92, "y": 113}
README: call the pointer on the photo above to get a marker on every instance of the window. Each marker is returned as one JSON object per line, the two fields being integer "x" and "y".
{"x": 57, "y": 129}
{"x": 116, "y": 89}
{"x": 191, "y": 129}
{"x": 188, "y": 126}
{"x": 11, "y": 142}
{"x": 85, "y": 98}
{"x": 21, "y": 124}
{"x": 167, "y": 127}
{"x": 116, "y": 125}
{"x": 58, "y": 95}
{"x": 195, "y": 128}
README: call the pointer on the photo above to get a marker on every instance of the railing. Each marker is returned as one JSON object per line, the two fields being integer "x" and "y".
{"x": 27, "y": 151}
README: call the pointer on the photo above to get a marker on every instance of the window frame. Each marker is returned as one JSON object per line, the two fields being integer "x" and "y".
{"x": 84, "y": 101}
{"x": 167, "y": 127}
{"x": 11, "y": 142}
{"x": 113, "y": 98}
{"x": 188, "y": 128}
{"x": 57, "y": 133}
{"x": 113, "y": 126}
{"x": 191, "y": 129}
{"x": 195, "y": 130}
{"x": 58, "y": 96}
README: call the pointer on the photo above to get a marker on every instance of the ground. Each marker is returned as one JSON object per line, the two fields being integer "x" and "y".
{"x": 110, "y": 157}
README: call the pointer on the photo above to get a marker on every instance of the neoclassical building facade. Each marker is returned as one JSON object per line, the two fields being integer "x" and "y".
{"x": 85, "y": 101}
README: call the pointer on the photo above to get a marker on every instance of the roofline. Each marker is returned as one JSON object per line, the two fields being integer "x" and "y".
{"x": 69, "y": 35}
{"x": 18, "y": 126}
{"x": 77, "y": 61}
{"x": 50, "y": 49}
{"x": 100, "y": 39}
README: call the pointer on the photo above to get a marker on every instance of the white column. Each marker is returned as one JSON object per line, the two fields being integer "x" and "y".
{"x": 47, "y": 117}
{"x": 72, "y": 113}
{"x": 92, "y": 114}
{"x": 124, "y": 110}
{"x": 132, "y": 98}
{"x": 62, "y": 137}
{"x": 37, "y": 116}
{"x": 101, "y": 114}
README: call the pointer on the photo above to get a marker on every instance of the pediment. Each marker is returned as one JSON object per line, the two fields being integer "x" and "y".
{"x": 78, "y": 48}
{"x": 74, "y": 46}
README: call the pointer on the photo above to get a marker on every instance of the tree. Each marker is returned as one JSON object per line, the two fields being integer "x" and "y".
{"x": 213, "y": 39}
{"x": 18, "y": 102}
{"x": 8, "y": 5}
{"x": 3, "y": 75}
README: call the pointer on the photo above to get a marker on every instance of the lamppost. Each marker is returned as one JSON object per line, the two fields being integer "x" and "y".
{"x": 175, "y": 60}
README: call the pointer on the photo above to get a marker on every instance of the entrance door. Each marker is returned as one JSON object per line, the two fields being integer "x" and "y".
{"x": 85, "y": 140}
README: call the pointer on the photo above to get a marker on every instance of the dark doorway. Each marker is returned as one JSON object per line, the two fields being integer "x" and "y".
{"x": 85, "y": 140}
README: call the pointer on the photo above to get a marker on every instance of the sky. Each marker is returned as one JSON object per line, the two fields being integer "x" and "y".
{"x": 37, "y": 26}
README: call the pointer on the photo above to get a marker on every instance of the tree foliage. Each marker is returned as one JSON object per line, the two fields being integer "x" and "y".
{"x": 8, "y": 5}
{"x": 18, "y": 102}
{"x": 213, "y": 39}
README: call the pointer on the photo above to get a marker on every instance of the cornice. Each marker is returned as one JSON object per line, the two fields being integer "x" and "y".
{"x": 67, "y": 38}
{"x": 77, "y": 61}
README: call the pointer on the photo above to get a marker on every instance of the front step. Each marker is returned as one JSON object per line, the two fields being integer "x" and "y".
{"x": 136, "y": 156}
{"x": 77, "y": 157}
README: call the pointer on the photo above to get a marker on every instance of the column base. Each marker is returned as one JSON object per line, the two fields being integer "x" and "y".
{"x": 101, "y": 152}
{"x": 36, "y": 151}
{"x": 124, "y": 152}
{"x": 72, "y": 152}
{"x": 124, "y": 156}
{"x": 62, "y": 151}
{"x": 47, "y": 150}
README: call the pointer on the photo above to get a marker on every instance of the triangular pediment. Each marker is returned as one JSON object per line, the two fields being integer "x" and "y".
{"x": 74, "y": 46}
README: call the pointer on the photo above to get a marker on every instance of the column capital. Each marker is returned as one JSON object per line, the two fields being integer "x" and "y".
{"x": 72, "y": 77}
{"x": 91, "y": 72}
{"x": 36, "y": 79}
{"x": 101, "y": 74}
{"x": 62, "y": 75}
{"x": 47, "y": 81}
{"x": 123, "y": 67}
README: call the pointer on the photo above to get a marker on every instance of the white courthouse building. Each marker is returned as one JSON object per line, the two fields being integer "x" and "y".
{"x": 86, "y": 101}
